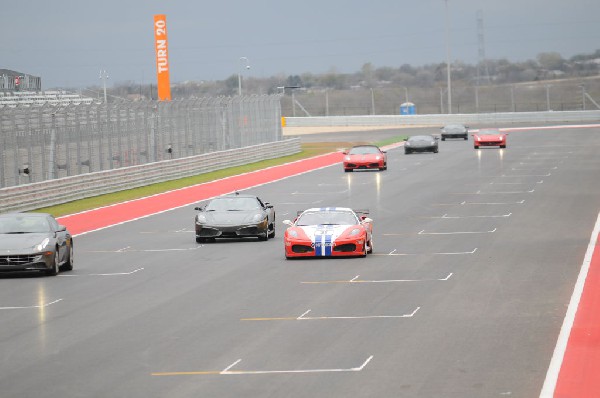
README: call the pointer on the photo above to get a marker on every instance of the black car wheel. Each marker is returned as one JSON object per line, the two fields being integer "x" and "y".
{"x": 347, "y": 170}
{"x": 406, "y": 152}
{"x": 443, "y": 138}
{"x": 69, "y": 264}
{"x": 476, "y": 147}
{"x": 56, "y": 264}
{"x": 502, "y": 146}
{"x": 272, "y": 233}
{"x": 466, "y": 138}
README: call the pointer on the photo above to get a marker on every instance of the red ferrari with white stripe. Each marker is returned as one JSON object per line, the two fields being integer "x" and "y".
{"x": 329, "y": 232}
{"x": 489, "y": 137}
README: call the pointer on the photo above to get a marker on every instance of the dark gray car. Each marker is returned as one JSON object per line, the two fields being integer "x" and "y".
{"x": 421, "y": 143}
{"x": 34, "y": 242}
{"x": 455, "y": 131}
{"x": 235, "y": 216}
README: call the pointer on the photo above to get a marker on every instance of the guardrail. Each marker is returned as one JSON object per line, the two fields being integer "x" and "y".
{"x": 442, "y": 119}
{"x": 52, "y": 192}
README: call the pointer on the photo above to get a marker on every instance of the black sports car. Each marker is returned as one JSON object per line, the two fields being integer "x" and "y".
{"x": 235, "y": 216}
{"x": 421, "y": 143}
{"x": 455, "y": 131}
{"x": 34, "y": 242}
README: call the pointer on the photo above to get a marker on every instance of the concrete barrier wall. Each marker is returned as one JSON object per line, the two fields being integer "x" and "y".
{"x": 474, "y": 120}
{"x": 52, "y": 192}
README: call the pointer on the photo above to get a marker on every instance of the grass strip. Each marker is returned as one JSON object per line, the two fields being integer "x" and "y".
{"x": 307, "y": 150}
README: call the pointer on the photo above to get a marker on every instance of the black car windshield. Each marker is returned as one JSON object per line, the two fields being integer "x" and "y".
{"x": 454, "y": 127}
{"x": 421, "y": 138}
{"x": 233, "y": 204}
{"x": 327, "y": 218}
{"x": 364, "y": 150}
{"x": 22, "y": 224}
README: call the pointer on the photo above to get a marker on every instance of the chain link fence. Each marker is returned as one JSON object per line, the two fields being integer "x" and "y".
{"x": 557, "y": 95}
{"x": 49, "y": 142}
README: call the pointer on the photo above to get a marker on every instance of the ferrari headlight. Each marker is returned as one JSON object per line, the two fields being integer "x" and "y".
{"x": 355, "y": 231}
{"x": 293, "y": 233}
{"x": 200, "y": 219}
{"x": 347, "y": 158}
{"x": 42, "y": 245}
{"x": 257, "y": 217}
{"x": 407, "y": 143}
{"x": 377, "y": 157}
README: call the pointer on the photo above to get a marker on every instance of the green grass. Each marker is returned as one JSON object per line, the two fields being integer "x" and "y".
{"x": 307, "y": 150}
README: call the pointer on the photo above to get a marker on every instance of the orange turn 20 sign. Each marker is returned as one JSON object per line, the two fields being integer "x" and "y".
{"x": 162, "y": 57}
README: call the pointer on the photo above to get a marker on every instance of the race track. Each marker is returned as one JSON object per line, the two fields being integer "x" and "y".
{"x": 476, "y": 257}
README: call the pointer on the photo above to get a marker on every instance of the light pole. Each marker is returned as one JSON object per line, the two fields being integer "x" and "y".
{"x": 405, "y": 94}
{"x": 240, "y": 73}
{"x": 448, "y": 61}
{"x": 103, "y": 77}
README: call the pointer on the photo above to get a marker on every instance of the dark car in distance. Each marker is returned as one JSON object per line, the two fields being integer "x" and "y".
{"x": 455, "y": 131}
{"x": 34, "y": 242}
{"x": 421, "y": 143}
{"x": 235, "y": 216}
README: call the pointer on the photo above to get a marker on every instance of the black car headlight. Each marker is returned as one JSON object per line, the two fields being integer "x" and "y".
{"x": 200, "y": 219}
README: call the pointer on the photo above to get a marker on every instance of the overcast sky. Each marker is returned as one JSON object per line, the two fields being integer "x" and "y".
{"x": 67, "y": 42}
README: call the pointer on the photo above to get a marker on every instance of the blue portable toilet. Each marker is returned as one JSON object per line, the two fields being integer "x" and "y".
{"x": 407, "y": 108}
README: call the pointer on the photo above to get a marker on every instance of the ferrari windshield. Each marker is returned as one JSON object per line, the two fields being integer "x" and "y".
{"x": 233, "y": 204}
{"x": 489, "y": 132}
{"x": 331, "y": 217}
{"x": 421, "y": 138}
{"x": 454, "y": 127}
{"x": 23, "y": 224}
{"x": 364, "y": 150}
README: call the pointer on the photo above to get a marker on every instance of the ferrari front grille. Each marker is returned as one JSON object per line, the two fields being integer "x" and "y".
{"x": 302, "y": 249}
{"x": 15, "y": 260}
{"x": 348, "y": 247}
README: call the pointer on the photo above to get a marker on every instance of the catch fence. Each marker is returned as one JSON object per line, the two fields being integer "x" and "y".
{"x": 49, "y": 142}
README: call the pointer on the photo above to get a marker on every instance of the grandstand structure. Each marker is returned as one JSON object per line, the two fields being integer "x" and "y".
{"x": 24, "y": 90}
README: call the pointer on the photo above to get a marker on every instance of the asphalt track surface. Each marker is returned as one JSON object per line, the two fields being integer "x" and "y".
{"x": 476, "y": 257}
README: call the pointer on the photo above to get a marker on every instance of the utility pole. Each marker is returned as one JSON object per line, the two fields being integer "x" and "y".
{"x": 103, "y": 77}
{"x": 448, "y": 60}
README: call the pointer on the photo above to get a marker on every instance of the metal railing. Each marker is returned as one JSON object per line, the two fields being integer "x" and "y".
{"x": 49, "y": 142}
{"x": 62, "y": 190}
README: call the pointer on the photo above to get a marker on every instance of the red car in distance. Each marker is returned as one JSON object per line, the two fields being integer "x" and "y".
{"x": 365, "y": 157}
{"x": 489, "y": 137}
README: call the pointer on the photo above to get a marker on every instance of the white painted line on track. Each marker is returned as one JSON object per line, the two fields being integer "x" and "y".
{"x": 256, "y": 372}
{"x": 303, "y": 317}
{"x": 31, "y": 306}
{"x": 108, "y": 274}
{"x": 356, "y": 280}
{"x": 128, "y": 249}
{"x": 479, "y": 203}
{"x": 393, "y": 253}
{"x": 565, "y": 331}
{"x": 447, "y": 217}
{"x": 228, "y": 372}
{"x": 457, "y": 233}
{"x": 317, "y": 193}
{"x": 491, "y": 193}
{"x": 525, "y": 175}
{"x": 516, "y": 183}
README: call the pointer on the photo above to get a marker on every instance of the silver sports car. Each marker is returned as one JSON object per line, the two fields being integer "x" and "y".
{"x": 34, "y": 242}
